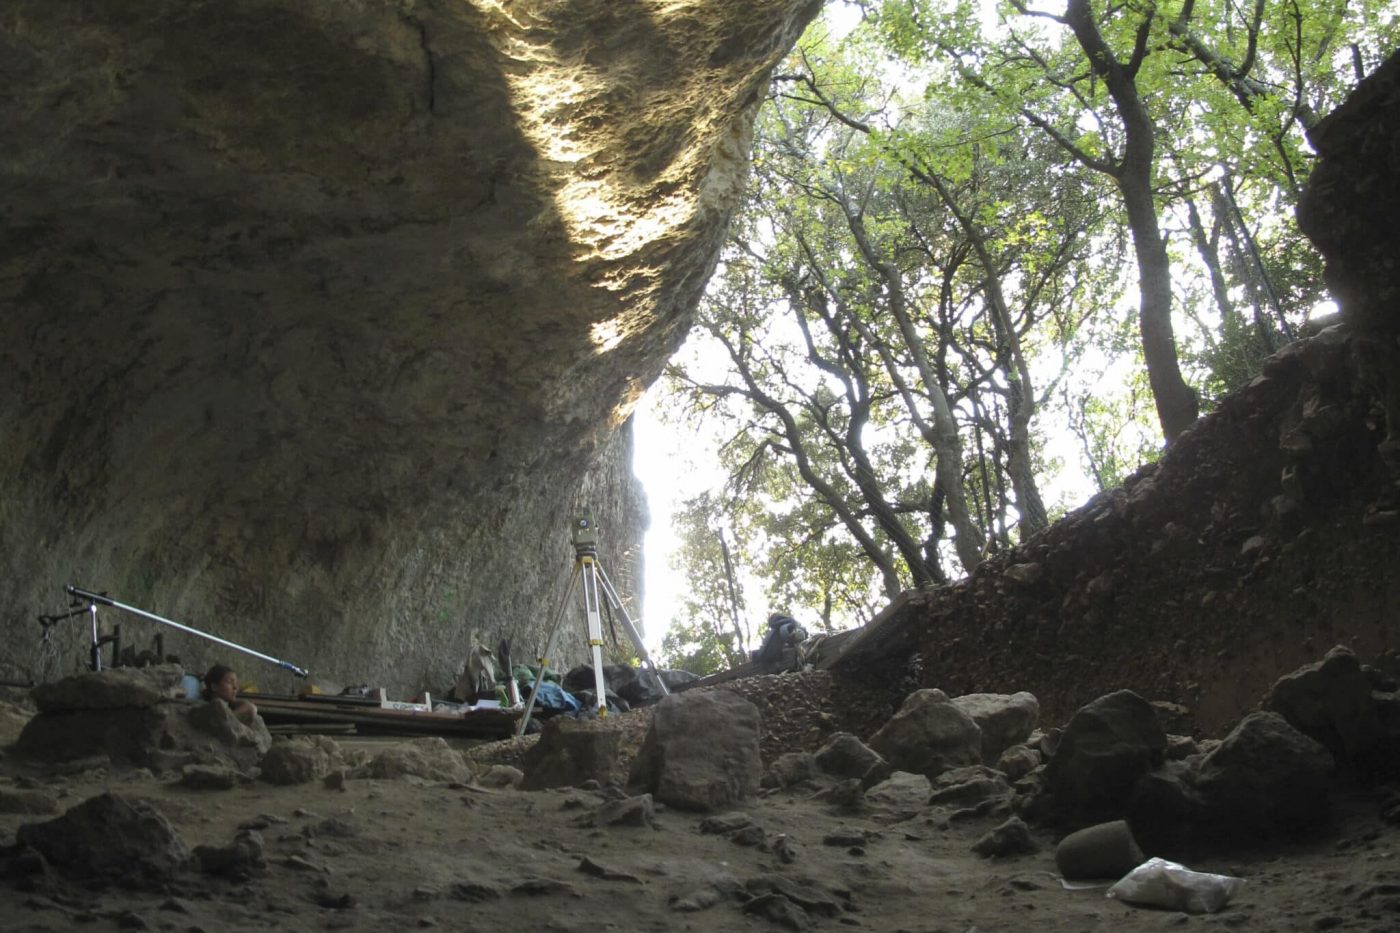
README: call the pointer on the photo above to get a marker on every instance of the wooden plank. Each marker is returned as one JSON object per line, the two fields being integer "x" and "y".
{"x": 312, "y": 728}
{"x": 372, "y": 720}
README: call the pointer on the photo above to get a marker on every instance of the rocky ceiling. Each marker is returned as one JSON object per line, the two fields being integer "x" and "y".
{"x": 317, "y": 317}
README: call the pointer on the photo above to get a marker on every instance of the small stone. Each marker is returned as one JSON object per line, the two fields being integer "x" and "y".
{"x": 474, "y": 892}
{"x": 207, "y": 777}
{"x": 781, "y": 846}
{"x": 590, "y": 867}
{"x": 631, "y": 811}
{"x": 536, "y": 887}
{"x": 304, "y": 864}
{"x": 723, "y": 825}
{"x": 1010, "y": 838}
{"x": 777, "y": 909}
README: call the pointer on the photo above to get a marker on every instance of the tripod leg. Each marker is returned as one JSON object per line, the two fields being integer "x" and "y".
{"x": 549, "y": 649}
{"x": 630, "y": 629}
{"x": 591, "y": 607}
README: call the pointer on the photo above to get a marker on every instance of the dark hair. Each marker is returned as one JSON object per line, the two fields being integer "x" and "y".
{"x": 211, "y": 680}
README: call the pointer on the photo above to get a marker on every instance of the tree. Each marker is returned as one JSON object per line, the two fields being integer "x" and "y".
{"x": 873, "y": 318}
{"x": 713, "y": 637}
{"x": 947, "y": 216}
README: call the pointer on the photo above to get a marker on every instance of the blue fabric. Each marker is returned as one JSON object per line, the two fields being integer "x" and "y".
{"x": 553, "y": 696}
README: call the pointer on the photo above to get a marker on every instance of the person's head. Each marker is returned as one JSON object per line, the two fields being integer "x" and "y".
{"x": 221, "y": 682}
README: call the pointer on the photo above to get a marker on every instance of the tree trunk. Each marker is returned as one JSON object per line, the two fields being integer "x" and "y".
{"x": 1177, "y": 405}
{"x": 967, "y": 537}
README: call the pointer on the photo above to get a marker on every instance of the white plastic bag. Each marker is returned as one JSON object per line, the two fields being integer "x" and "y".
{"x": 1159, "y": 883}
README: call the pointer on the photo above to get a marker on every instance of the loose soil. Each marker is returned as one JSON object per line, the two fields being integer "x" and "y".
{"x": 381, "y": 855}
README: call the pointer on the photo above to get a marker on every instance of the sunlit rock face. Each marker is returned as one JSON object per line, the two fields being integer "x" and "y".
{"x": 318, "y": 318}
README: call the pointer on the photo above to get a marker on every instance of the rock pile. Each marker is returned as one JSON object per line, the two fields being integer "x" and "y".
{"x": 138, "y": 717}
{"x": 1112, "y": 782}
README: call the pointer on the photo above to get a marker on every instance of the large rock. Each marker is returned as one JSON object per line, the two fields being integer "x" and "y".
{"x": 701, "y": 752}
{"x": 1331, "y": 701}
{"x": 317, "y": 317}
{"x": 1105, "y": 850}
{"x": 1166, "y": 810}
{"x": 301, "y": 760}
{"x": 124, "y": 735}
{"x": 845, "y": 756}
{"x": 1106, "y": 747}
{"x": 429, "y": 759}
{"x": 929, "y": 735}
{"x": 1005, "y": 720}
{"x": 165, "y": 736}
{"x": 216, "y": 719}
{"x": 969, "y": 787}
{"x": 110, "y": 838}
{"x": 901, "y": 795}
{"x": 116, "y": 688}
{"x": 1266, "y": 779}
{"x": 570, "y": 752}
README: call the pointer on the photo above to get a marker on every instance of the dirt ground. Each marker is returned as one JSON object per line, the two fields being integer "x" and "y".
{"x": 394, "y": 854}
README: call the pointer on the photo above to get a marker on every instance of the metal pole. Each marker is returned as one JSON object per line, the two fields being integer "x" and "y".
{"x": 549, "y": 649}
{"x": 98, "y": 598}
{"x": 592, "y": 605}
{"x": 631, "y": 629}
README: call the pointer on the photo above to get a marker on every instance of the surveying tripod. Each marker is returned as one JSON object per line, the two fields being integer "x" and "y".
{"x": 596, "y": 585}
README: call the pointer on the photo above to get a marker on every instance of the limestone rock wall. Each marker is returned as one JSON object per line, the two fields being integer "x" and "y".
{"x": 317, "y": 316}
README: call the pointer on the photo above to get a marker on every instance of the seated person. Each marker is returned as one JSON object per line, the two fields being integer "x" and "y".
{"x": 222, "y": 683}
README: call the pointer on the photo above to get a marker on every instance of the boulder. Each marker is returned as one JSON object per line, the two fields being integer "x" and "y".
{"x": 209, "y": 777}
{"x": 845, "y": 756}
{"x": 701, "y": 752}
{"x": 239, "y": 859}
{"x": 127, "y": 714}
{"x": 123, "y": 735}
{"x": 110, "y": 838}
{"x": 1018, "y": 761}
{"x": 791, "y": 768}
{"x": 1166, "y": 808}
{"x": 929, "y": 735}
{"x": 1012, "y": 837}
{"x": 424, "y": 759}
{"x": 164, "y": 737}
{"x": 501, "y": 776}
{"x": 571, "y": 751}
{"x": 1005, "y": 720}
{"x": 116, "y": 688}
{"x": 961, "y": 788}
{"x": 216, "y": 719}
{"x": 1265, "y": 779}
{"x": 629, "y": 811}
{"x": 901, "y": 795}
{"x": 1106, "y": 850}
{"x": 1107, "y": 746}
{"x": 1331, "y": 701}
{"x": 301, "y": 760}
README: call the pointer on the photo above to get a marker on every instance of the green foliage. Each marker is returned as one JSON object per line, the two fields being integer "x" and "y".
{"x": 937, "y": 155}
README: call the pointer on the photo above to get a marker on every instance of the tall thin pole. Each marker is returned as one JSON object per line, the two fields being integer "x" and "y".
{"x": 733, "y": 600}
